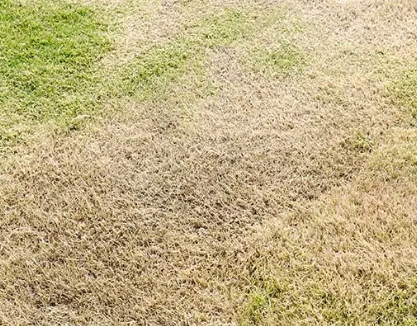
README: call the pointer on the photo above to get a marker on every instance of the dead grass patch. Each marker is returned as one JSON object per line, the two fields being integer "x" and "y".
{"x": 345, "y": 259}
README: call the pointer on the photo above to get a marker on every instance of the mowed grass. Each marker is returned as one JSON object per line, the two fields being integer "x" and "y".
{"x": 48, "y": 57}
{"x": 253, "y": 170}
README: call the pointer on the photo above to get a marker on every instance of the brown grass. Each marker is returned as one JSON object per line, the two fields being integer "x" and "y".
{"x": 277, "y": 200}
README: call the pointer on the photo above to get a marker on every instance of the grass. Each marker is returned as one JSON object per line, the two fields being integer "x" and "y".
{"x": 326, "y": 251}
{"x": 405, "y": 91}
{"x": 282, "y": 61}
{"x": 225, "y": 29}
{"x": 48, "y": 57}
{"x": 152, "y": 72}
{"x": 252, "y": 170}
{"x": 355, "y": 220}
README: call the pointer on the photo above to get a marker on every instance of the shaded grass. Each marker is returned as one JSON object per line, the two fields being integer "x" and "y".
{"x": 48, "y": 56}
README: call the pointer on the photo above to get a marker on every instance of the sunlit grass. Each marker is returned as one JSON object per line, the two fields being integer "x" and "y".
{"x": 48, "y": 56}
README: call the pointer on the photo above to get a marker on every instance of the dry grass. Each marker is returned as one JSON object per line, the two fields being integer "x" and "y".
{"x": 347, "y": 258}
{"x": 284, "y": 193}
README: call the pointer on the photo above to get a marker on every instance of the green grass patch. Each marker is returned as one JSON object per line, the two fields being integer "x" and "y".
{"x": 164, "y": 70}
{"x": 173, "y": 71}
{"x": 256, "y": 307}
{"x": 225, "y": 29}
{"x": 152, "y": 74}
{"x": 397, "y": 307}
{"x": 260, "y": 300}
{"x": 405, "y": 90}
{"x": 280, "y": 61}
{"x": 178, "y": 69}
{"x": 397, "y": 159}
{"x": 316, "y": 305}
{"x": 48, "y": 55}
{"x": 360, "y": 142}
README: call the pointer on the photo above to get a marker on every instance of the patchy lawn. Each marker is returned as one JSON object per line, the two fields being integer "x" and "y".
{"x": 208, "y": 162}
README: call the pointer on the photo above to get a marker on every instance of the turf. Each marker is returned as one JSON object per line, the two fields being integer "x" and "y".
{"x": 279, "y": 62}
{"x": 225, "y": 29}
{"x": 47, "y": 64}
{"x": 405, "y": 90}
{"x": 229, "y": 162}
{"x": 154, "y": 73}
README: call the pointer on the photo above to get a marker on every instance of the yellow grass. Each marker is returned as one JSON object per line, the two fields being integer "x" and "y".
{"x": 256, "y": 171}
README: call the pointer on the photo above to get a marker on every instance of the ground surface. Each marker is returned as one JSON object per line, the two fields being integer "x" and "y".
{"x": 188, "y": 162}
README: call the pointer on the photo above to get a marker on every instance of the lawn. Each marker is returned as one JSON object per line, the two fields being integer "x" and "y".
{"x": 208, "y": 162}
{"x": 48, "y": 52}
